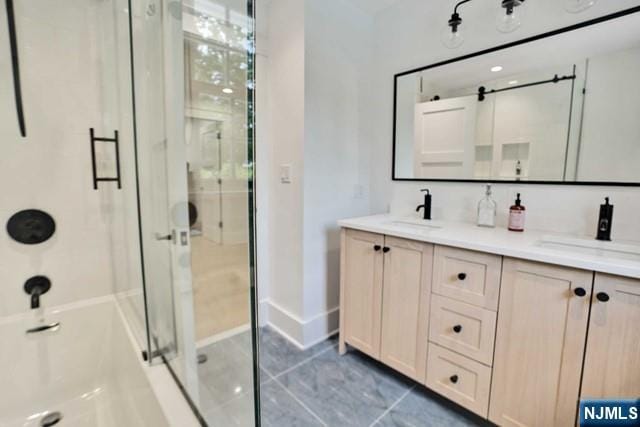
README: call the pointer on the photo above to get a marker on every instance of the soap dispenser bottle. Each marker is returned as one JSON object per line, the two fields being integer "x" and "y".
{"x": 487, "y": 210}
{"x": 516, "y": 216}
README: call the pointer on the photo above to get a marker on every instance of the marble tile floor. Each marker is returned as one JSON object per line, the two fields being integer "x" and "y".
{"x": 315, "y": 387}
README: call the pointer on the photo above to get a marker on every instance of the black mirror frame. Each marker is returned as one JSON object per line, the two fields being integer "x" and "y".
{"x": 541, "y": 36}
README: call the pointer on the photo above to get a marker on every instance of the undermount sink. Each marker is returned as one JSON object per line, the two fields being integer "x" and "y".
{"x": 422, "y": 224}
{"x": 627, "y": 251}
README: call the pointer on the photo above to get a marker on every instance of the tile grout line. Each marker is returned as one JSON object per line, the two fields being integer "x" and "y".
{"x": 300, "y": 402}
{"x": 390, "y": 408}
{"x": 308, "y": 359}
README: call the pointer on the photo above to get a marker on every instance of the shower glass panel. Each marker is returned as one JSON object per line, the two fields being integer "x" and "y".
{"x": 195, "y": 163}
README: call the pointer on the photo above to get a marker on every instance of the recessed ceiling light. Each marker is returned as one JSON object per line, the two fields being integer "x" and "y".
{"x": 496, "y": 69}
{"x": 513, "y": 82}
{"x": 227, "y": 90}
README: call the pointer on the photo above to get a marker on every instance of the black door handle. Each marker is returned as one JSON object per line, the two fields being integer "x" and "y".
{"x": 386, "y": 249}
{"x": 377, "y": 248}
{"x": 462, "y": 276}
{"x": 603, "y": 296}
{"x": 579, "y": 292}
{"x": 453, "y": 378}
{"x": 457, "y": 329}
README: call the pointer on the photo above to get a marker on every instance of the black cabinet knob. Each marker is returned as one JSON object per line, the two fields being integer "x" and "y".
{"x": 453, "y": 378}
{"x": 386, "y": 249}
{"x": 580, "y": 292}
{"x": 377, "y": 248}
{"x": 603, "y": 296}
{"x": 457, "y": 329}
{"x": 462, "y": 276}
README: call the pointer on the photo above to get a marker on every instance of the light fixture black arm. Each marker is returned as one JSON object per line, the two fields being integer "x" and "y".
{"x": 460, "y": 3}
{"x": 13, "y": 42}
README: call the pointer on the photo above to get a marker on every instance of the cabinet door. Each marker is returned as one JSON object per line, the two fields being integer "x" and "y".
{"x": 613, "y": 347}
{"x": 542, "y": 324}
{"x": 361, "y": 291}
{"x": 405, "y": 305}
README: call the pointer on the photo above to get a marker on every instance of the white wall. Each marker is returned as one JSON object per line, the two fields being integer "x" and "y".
{"x": 285, "y": 106}
{"x": 70, "y": 70}
{"x": 316, "y": 81}
{"x": 407, "y": 36}
{"x": 338, "y": 54}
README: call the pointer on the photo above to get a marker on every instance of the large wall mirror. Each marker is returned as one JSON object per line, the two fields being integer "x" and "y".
{"x": 562, "y": 107}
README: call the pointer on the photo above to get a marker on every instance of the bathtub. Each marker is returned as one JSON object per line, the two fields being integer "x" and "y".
{"x": 88, "y": 370}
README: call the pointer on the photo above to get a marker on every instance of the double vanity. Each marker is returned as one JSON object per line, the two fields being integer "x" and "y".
{"x": 515, "y": 327}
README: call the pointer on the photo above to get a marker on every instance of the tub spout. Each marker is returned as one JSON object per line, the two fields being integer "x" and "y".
{"x": 35, "y": 300}
{"x": 35, "y": 287}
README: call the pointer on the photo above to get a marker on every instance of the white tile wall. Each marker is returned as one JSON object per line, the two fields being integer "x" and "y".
{"x": 64, "y": 57}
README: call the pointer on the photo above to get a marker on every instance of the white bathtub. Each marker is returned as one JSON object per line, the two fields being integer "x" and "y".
{"x": 88, "y": 370}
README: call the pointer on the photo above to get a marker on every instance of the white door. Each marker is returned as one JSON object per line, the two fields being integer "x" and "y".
{"x": 444, "y": 138}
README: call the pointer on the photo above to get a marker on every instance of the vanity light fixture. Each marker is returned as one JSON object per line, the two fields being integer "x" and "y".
{"x": 510, "y": 18}
{"x": 452, "y": 36}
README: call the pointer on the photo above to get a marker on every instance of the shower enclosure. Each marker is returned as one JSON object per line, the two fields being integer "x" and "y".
{"x": 126, "y": 172}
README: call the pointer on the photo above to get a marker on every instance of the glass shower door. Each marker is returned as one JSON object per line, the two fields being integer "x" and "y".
{"x": 192, "y": 84}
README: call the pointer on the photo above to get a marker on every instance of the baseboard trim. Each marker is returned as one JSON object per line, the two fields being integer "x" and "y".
{"x": 302, "y": 333}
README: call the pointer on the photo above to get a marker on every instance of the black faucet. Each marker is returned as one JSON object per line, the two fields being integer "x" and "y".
{"x": 36, "y": 286}
{"x": 605, "y": 220}
{"x": 427, "y": 205}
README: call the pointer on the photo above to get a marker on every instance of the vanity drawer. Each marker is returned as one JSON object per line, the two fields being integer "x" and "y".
{"x": 467, "y": 276}
{"x": 459, "y": 379}
{"x": 463, "y": 328}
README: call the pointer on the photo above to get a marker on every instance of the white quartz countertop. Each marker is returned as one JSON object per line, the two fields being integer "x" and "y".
{"x": 526, "y": 245}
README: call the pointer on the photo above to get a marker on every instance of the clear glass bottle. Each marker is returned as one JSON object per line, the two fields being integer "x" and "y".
{"x": 487, "y": 208}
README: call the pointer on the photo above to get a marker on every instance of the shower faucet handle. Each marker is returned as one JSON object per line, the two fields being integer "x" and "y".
{"x": 37, "y": 286}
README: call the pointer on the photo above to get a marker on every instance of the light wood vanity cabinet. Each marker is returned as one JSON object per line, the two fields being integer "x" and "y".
{"x": 405, "y": 305}
{"x": 542, "y": 324}
{"x": 468, "y": 276}
{"x": 361, "y": 292}
{"x": 612, "y": 360}
{"x": 385, "y": 300}
{"x": 515, "y": 341}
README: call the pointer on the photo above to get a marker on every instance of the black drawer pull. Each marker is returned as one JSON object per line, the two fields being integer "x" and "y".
{"x": 579, "y": 292}
{"x": 457, "y": 329}
{"x": 603, "y": 296}
{"x": 453, "y": 378}
{"x": 462, "y": 276}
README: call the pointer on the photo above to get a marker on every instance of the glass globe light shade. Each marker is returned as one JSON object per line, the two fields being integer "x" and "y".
{"x": 452, "y": 39}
